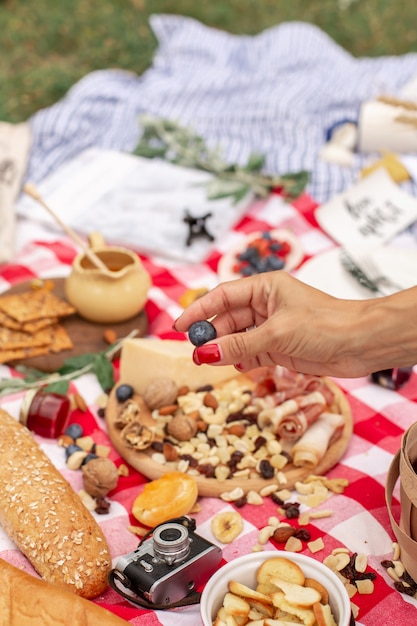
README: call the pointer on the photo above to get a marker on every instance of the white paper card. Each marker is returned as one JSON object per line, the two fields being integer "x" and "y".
{"x": 371, "y": 212}
{"x": 134, "y": 202}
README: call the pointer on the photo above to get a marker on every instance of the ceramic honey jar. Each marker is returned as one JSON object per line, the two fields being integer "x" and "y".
{"x": 113, "y": 294}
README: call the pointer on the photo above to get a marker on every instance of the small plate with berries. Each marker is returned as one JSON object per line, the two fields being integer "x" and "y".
{"x": 261, "y": 251}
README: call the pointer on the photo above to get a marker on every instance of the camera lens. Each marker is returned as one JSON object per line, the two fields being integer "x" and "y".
{"x": 171, "y": 542}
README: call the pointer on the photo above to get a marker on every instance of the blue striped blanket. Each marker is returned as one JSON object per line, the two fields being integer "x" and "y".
{"x": 276, "y": 93}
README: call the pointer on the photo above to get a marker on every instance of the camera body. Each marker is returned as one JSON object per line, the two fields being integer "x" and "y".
{"x": 168, "y": 566}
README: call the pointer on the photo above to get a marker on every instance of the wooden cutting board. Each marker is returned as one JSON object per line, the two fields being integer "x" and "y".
{"x": 86, "y": 336}
{"x": 142, "y": 460}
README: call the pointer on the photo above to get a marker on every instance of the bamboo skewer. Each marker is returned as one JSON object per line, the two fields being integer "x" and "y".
{"x": 32, "y": 191}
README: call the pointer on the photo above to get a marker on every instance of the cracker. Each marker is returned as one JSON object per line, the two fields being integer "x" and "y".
{"x": 8, "y": 356}
{"x": 33, "y": 327}
{"x": 34, "y": 305}
{"x": 14, "y": 339}
{"x": 9, "y": 322}
{"x": 60, "y": 340}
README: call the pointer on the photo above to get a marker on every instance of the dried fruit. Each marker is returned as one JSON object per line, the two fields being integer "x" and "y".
{"x": 226, "y": 526}
{"x": 172, "y": 495}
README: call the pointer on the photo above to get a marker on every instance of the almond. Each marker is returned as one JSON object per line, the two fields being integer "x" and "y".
{"x": 169, "y": 409}
{"x": 283, "y": 533}
{"x": 210, "y": 400}
{"x": 169, "y": 451}
{"x": 236, "y": 429}
{"x": 80, "y": 402}
{"x": 110, "y": 336}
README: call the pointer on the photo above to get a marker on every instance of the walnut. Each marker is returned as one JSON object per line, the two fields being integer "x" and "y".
{"x": 160, "y": 392}
{"x": 182, "y": 427}
{"x": 100, "y": 476}
{"x": 138, "y": 435}
{"x": 128, "y": 412}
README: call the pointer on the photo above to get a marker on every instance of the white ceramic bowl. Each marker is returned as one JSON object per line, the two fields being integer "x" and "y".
{"x": 243, "y": 570}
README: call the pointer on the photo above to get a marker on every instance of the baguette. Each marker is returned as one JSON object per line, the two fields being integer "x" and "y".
{"x": 29, "y": 601}
{"x": 43, "y": 515}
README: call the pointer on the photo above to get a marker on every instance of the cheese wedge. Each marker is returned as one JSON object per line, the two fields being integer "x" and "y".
{"x": 143, "y": 360}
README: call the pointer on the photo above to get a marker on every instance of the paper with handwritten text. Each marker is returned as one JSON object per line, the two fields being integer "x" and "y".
{"x": 371, "y": 212}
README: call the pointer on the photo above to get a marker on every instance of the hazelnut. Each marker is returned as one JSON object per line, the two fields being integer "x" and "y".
{"x": 160, "y": 392}
{"x": 182, "y": 428}
{"x": 100, "y": 476}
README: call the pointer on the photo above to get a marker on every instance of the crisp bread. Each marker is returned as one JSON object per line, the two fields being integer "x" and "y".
{"x": 8, "y": 356}
{"x": 59, "y": 341}
{"x": 34, "y": 305}
{"x": 13, "y": 339}
{"x": 28, "y": 327}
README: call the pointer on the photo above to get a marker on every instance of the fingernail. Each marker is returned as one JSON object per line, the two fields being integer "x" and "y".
{"x": 209, "y": 353}
{"x": 174, "y": 325}
{"x": 239, "y": 367}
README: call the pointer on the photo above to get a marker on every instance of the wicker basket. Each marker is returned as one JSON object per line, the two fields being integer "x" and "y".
{"x": 402, "y": 468}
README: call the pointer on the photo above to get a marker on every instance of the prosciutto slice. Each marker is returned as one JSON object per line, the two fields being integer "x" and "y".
{"x": 312, "y": 446}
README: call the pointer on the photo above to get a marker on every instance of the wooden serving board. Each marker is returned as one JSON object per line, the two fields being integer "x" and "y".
{"x": 142, "y": 460}
{"x": 86, "y": 336}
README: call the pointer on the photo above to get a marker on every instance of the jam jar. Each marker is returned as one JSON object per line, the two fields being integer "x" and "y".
{"x": 45, "y": 414}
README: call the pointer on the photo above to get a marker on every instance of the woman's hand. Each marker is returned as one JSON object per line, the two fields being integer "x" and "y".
{"x": 273, "y": 318}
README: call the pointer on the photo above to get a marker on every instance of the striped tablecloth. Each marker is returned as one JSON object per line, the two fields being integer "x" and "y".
{"x": 360, "y": 520}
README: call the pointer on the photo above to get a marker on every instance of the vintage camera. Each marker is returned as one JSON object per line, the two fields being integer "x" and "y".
{"x": 170, "y": 564}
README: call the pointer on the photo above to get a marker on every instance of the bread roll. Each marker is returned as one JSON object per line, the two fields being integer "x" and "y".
{"x": 29, "y": 601}
{"x": 45, "y": 518}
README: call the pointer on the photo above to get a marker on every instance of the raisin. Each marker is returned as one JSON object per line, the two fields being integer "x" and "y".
{"x": 259, "y": 442}
{"x": 266, "y": 470}
{"x": 302, "y": 534}
{"x": 192, "y": 461}
{"x": 102, "y": 506}
{"x": 240, "y": 501}
{"x": 386, "y": 563}
{"x": 402, "y": 588}
{"x": 276, "y": 499}
{"x": 206, "y": 469}
{"x": 292, "y": 512}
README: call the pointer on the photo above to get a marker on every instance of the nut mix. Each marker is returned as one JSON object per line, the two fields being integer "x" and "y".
{"x": 214, "y": 431}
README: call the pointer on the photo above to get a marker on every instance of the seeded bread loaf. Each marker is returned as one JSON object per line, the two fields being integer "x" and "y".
{"x": 42, "y": 514}
{"x": 29, "y": 601}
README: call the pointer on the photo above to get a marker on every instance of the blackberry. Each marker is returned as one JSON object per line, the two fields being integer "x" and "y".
{"x": 201, "y": 332}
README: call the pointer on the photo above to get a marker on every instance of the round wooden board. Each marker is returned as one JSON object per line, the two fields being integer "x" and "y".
{"x": 211, "y": 487}
{"x": 86, "y": 336}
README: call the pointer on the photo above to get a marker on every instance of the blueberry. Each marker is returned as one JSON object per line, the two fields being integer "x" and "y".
{"x": 275, "y": 263}
{"x": 74, "y": 431}
{"x": 201, "y": 332}
{"x": 71, "y": 449}
{"x": 124, "y": 392}
{"x": 89, "y": 457}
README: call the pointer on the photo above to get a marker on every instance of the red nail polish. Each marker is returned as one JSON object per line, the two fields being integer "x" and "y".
{"x": 209, "y": 353}
{"x": 239, "y": 367}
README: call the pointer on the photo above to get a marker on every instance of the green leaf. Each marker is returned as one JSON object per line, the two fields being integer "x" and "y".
{"x": 75, "y": 363}
{"x": 180, "y": 145}
{"x": 61, "y": 387}
{"x": 218, "y": 188}
{"x": 255, "y": 162}
{"x": 149, "y": 152}
{"x": 103, "y": 369}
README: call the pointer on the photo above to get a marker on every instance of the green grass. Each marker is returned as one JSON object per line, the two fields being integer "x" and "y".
{"x": 48, "y": 45}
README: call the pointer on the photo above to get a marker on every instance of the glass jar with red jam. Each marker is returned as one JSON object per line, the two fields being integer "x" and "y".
{"x": 44, "y": 413}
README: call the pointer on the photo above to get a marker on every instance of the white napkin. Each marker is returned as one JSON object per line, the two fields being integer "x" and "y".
{"x": 134, "y": 202}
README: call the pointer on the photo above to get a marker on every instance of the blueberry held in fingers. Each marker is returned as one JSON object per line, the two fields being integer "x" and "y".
{"x": 201, "y": 332}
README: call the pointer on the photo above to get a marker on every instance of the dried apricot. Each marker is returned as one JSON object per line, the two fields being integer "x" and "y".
{"x": 172, "y": 495}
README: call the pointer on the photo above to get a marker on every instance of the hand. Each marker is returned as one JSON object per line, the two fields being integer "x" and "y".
{"x": 273, "y": 318}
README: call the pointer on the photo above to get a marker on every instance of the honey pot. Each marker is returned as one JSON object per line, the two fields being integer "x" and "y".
{"x": 115, "y": 293}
